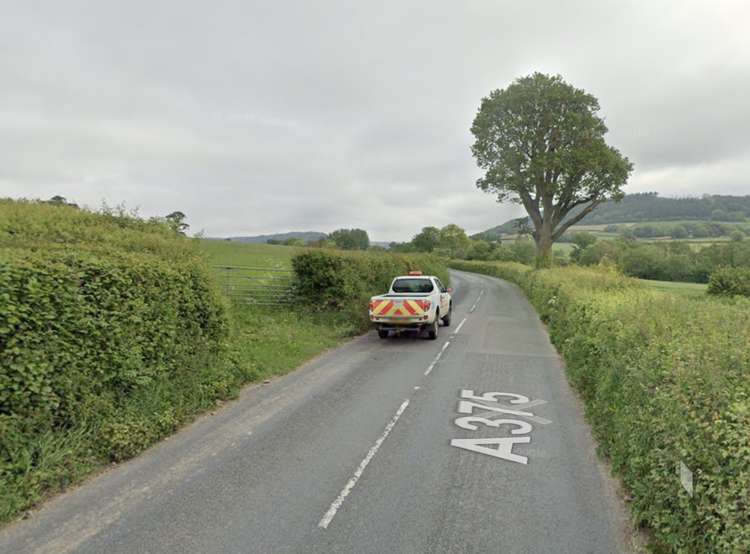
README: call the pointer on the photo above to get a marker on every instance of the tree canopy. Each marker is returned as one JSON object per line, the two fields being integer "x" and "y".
{"x": 427, "y": 239}
{"x": 451, "y": 240}
{"x": 541, "y": 143}
{"x": 350, "y": 239}
{"x": 176, "y": 221}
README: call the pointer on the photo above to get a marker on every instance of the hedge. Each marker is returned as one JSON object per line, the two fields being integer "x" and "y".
{"x": 34, "y": 225}
{"x": 77, "y": 327}
{"x": 730, "y": 281}
{"x": 665, "y": 381}
{"x": 106, "y": 344}
{"x": 346, "y": 280}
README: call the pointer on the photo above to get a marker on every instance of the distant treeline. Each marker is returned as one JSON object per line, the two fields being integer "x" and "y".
{"x": 345, "y": 239}
{"x": 650, "y": 206}
{"x": 663, "y": 261}
{"x": 680, "y": 230}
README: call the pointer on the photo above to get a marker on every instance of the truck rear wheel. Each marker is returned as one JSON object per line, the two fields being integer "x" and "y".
{"x": 432, "y": 330}
{"x": 383, "y": 333}
{"x": 447, "y": 318}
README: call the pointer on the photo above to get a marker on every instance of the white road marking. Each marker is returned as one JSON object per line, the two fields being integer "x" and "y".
{"x": 467, "y": 407}
{"x": 492, "y": 396}
{"x": 328, "y": 517}
{"x": 474, "y": 307}
{"x": 469, "y": 422}
{"x": 437, "y": 358}
{"x": 429, "y": 368}
{"x": 459, "y": 326}
{"x": 504, "y": 448}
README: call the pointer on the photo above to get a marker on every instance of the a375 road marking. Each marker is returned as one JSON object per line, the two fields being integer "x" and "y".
{"x": 490, "y": 408}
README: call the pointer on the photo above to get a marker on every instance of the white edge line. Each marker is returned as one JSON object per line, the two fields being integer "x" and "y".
{"x": 445, "y": 345}
{"x": 328, "y": 517}
{"x": 460, "y": 325}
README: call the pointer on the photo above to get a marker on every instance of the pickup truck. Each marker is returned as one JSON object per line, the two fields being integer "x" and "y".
{"x": 415, "y": 302}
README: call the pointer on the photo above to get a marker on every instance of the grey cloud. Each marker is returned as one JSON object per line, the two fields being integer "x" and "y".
{"x": 262, "y": 117}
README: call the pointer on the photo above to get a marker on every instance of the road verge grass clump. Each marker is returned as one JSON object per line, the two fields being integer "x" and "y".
{"x": 111, "y": 335}
{"x": 344, "y": 281}
{"x": 665, "y": 381}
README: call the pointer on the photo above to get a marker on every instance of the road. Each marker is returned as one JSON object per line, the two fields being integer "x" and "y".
{"x": 375, "y": 446}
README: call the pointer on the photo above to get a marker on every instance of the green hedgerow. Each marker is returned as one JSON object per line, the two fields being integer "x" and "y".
{"x": 346, "y": 280}
{"x": 98, "y": 312}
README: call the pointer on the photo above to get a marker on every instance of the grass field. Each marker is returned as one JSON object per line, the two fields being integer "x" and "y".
{"x": 692, "y": 290}
{"x": 272, "y": 340}
{"x": 564, "y": 247}
{"x": 222, "y": 252}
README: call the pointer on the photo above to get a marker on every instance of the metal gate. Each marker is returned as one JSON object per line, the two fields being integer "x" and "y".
{"x": 257, "y": 285}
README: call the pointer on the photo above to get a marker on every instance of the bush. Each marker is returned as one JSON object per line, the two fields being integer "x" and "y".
{"x": 730, "y": 281}
{"x": 345, "y": 281}
{"x": 664, "y": 381}
{"x": 79, "y": 326}
{"x": 107, "y": 326}
{"x": 667, "y": 261}
{"x": 679, "y": 232}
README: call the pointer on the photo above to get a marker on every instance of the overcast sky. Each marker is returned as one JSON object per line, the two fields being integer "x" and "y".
{"x": 259, "y": 117}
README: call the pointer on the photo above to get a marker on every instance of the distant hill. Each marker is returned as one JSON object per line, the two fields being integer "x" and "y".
{"x": 650, "y": 206}
{"x": 307, "y": 236}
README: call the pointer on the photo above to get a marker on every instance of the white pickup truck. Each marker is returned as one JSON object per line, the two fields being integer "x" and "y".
{"x": 415, "y": 302}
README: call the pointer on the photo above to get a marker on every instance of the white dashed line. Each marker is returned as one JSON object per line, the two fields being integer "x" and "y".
{"x": 429, "y": 368}
{"x": 437, "y": 358}
{"x": 459, "y": 326}
{"x": 474, "y": 307}
{"x": 328, "y": 517}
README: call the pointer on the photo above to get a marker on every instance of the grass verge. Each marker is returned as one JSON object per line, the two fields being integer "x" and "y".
{"x": 264, "y": 342}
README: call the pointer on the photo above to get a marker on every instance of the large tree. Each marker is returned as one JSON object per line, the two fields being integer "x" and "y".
{"x": 453, "y": 241}
{"x": 350, "y": 239}
{"x": 541, "y": 144}
{"x": 427, "y": 239}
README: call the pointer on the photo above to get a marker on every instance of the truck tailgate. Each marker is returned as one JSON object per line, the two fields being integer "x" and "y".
{"x": 395, "y": 308}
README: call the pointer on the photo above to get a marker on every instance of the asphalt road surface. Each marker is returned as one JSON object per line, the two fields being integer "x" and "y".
{"x": 470, "y": 443}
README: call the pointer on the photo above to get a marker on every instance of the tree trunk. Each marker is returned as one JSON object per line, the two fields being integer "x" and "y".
{"x": 543, "y": 247}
